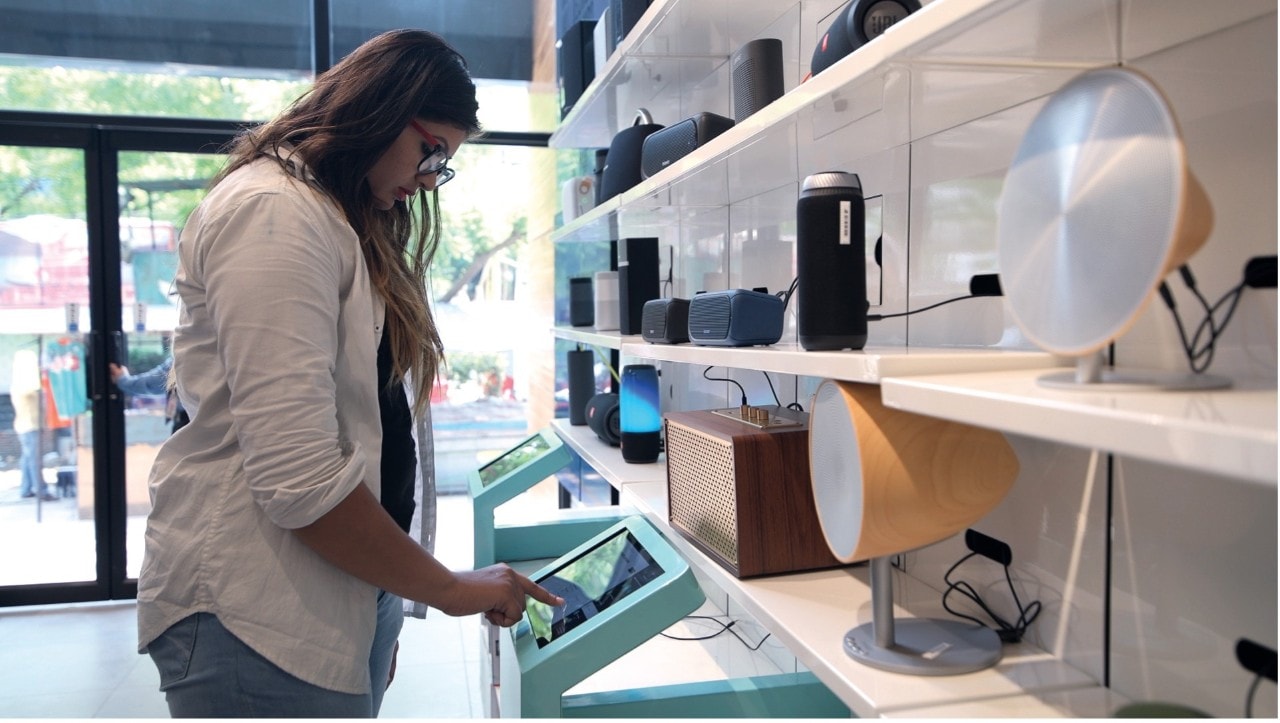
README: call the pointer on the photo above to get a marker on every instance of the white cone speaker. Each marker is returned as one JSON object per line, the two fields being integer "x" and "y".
{"x": 1098, "y": 207}
{"x": 886, "y": 481}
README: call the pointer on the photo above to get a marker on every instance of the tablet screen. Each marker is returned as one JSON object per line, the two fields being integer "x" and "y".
{"x": 590, "y": 583}
{"x": 514, "y": 459}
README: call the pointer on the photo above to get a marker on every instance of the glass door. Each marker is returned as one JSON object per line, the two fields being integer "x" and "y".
{"x": 89, "y": 221}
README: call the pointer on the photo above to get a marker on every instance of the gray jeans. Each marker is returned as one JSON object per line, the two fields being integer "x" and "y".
{"x": 206, "y": 672}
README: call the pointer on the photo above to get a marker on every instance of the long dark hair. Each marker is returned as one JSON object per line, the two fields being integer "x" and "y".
{"x": 341, "y": 127}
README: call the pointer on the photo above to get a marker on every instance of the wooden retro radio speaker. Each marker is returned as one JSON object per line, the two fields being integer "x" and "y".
{"x": 739, "y": 489}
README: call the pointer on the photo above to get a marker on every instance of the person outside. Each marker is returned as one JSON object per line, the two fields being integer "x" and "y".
{"x": 276, "y": 549}
{"x": 153, "y": 383}
{"x": 24, "y": 394}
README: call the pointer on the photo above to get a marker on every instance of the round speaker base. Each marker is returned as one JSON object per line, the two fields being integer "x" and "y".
{"x": 926, "y": 646}
{"x": 1134, "y": 380}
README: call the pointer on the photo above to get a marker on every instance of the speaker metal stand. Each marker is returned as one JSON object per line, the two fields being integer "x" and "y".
{"x": 917, "y": 646}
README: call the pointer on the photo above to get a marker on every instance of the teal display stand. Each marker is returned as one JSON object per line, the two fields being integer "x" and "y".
{"x": 622, "y": 587}
{"x": 513, "y": 473}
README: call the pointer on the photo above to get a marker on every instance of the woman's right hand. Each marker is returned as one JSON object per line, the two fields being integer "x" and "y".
{"x": 496, "y": 591}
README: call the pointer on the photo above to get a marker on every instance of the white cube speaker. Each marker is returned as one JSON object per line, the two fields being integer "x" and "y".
{"x": 606, "y": 299}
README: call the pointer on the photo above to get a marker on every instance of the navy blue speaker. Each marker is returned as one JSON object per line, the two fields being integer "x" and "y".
{"x": 737, "y": 317}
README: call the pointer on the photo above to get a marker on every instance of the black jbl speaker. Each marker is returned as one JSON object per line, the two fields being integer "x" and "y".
{"x": 582, "y": 302}
{"x": 622, "y": 162}
{"x": 575, "y": 63}
{"x": 665, "y": 321}
{"x": 603, "y": 418}
{"x": 664, "y": 147}
{"x": 582, "y": 384}
{"x": 637, "y": 281}
{"x": 831, "y": 262}
{"x": 757, "y": 76}
{"x": 854, "y": 25}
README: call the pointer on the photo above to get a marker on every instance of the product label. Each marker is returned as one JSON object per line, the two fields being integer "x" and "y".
{"x": 846, "y": 218}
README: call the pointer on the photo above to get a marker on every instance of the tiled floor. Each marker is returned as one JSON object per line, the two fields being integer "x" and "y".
{"x": 81, "y": 662}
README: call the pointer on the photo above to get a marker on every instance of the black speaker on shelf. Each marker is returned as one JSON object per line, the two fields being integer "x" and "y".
{"x": 605, "y": 419}
{"x": 831, "y": 262}
{"x": 854, "y": 25}
{"x": 637, "y": 281}
{"x": 622, "y": 163}
{"x": 582, "y": 302}
{"x": 575, "y": 63}
{"x": 602, "y": 156}
{"x": 624, "y": 14}
{"x": 756, "y": 70}
{"x": 664, "y": 147}
{"x": 582, "y": 384}
{"x": 665, "y": 321}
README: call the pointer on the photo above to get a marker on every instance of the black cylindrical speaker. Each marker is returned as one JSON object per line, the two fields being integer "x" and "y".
{"x": 582, "y": 384}
{"x": 757, "y": 76}
{"x": 603, "y": 418}
{"x": 637, "y": 281}
{"x": 582, "y": 302}
{"x": 831, "y": 262}
{"x": 856, "y": 24}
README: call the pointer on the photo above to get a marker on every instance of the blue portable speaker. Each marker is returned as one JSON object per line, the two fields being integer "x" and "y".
{"x": 736, "y": 317}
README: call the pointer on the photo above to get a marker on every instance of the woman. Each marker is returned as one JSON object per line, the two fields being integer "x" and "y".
{"x": 276, "y": 549}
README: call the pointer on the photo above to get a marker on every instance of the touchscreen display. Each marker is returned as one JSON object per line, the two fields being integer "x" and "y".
{"x": 514, "y": 459}
{"x": 590, "y": 583}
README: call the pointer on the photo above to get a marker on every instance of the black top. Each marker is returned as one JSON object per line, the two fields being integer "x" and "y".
{"x": 399, "y": 455}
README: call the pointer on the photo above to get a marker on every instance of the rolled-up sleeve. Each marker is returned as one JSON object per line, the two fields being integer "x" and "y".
{"x": 274, "y": 281}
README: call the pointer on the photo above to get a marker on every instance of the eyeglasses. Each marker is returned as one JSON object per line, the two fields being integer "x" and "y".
{"x": 436, "y": 161}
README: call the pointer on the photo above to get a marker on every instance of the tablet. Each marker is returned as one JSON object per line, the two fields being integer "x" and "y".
{"x": 513, "y": 459}
{"x": 590, "y": 583}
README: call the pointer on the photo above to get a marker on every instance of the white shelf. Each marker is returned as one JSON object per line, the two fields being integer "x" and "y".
{"x": 866, "y": 365}
{"x": 591, "y": 337}
{"x": 1230, "y": 432}
{"x": 608, "y": 460}
{"x": 1091, "y": 702}
{"x": 811, "y": 612}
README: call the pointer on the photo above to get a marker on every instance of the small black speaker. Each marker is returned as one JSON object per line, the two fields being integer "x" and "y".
{"x": 637, "y": 281}
{"x": 623, "y": 15}
{"x": 604, "y": 418}
{"x": 582, "y": 384}
{"x": 831, "y": 262}
{"x": 602, "y": 155}
{"x": 854, "y": 25}
{"x": 664, "y": 147}
{"x": 575, "y": 63}
{"x": 582, "y": 302}
{"x": 756, "y": 69}
{"x": 622, "y": 162}
{"x": 665, "y": 321}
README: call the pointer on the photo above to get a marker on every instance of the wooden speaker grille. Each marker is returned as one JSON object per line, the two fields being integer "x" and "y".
{"x": 702, "y": 490}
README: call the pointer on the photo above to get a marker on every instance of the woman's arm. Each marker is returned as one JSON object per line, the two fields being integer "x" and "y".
{"x": 360, "y": 538}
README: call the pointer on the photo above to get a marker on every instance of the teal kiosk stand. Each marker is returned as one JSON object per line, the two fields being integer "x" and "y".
{"x": 511, "y": 474}
{"x": 621, "y": 588}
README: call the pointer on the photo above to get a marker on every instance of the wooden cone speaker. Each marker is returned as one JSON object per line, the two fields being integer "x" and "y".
{"x": 1098, "y": 206}
{"x": 887, "y": 481}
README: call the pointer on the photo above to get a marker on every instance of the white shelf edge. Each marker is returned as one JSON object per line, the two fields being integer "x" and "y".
{"x": 868, "y": 365}
{"x": 589, "y": 336}
{"x": 1228, "y": 432}
{"x": 608, "y": 460}
{"x": 810, "y": 612}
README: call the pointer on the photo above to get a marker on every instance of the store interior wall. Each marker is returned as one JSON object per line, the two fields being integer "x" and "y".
{"x": 1191, "y": 568}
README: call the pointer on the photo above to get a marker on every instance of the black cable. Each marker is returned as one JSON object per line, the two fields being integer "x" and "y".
{"x": 1008, "y": 632}
{"x": 1248, "y": 698}
{"x": 771, "y": 389}
{"x": 1200, "y": 356}
{"x": 725, "y": 379}
{"x": 724, "y": 627}
{"x": 878, "y": 317}
{"x": 786, "y": 295}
